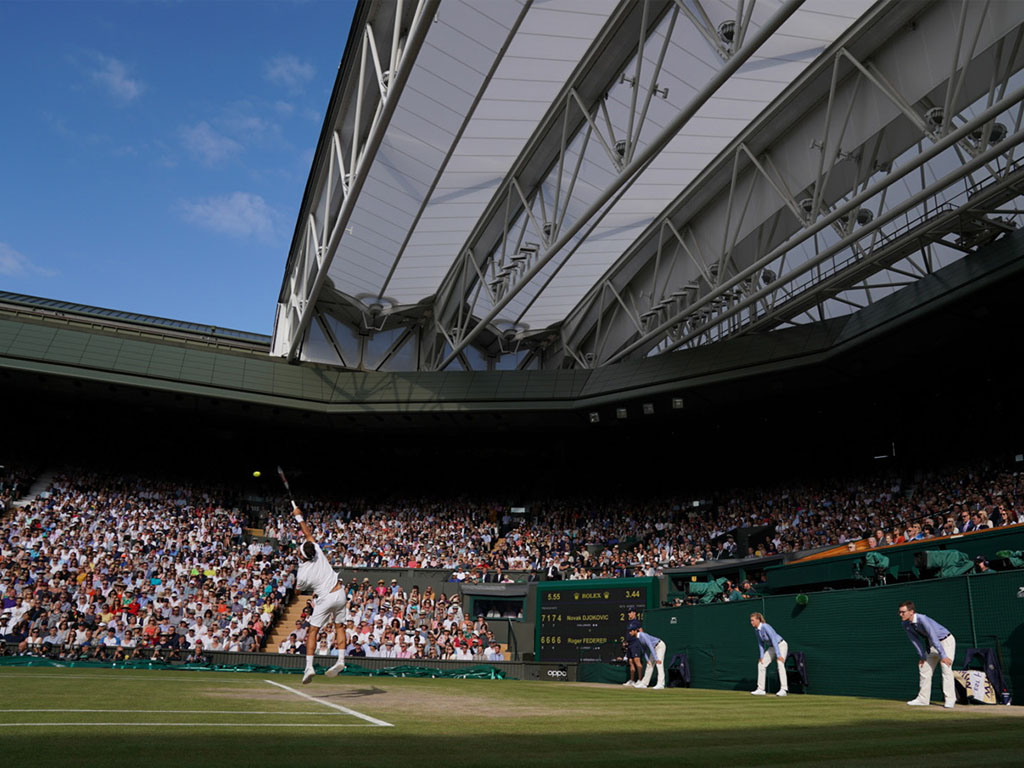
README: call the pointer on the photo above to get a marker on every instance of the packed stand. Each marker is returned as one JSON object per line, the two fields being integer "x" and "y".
{"x": 119, "y": 568}
{"x": 122, "y": 568}
{"x": 386, "y": 622}
{"x": 600, "y": 538}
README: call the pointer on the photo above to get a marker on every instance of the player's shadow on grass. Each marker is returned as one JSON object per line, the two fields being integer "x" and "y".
{"x": 352, "y": 693}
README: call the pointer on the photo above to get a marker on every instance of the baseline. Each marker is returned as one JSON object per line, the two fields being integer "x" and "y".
{"x": 190, "y": 725}
{"x": 173, "y": 711}
{"x": 133, "y": 679}
{"x": 338, "y": 707}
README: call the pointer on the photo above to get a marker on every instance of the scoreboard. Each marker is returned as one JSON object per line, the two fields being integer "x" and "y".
{"x": 576, "y": 619}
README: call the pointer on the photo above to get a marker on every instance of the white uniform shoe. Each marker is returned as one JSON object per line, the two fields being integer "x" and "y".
{"x": 949, "y": 705}
{"x": 917, "y": 703}
{"x": 758, "y": 693}
{"x": 783, "y": 692}
{"x": 658, "y": 688}
{"x": 307, "y": 676}
{"x": 336, "y": 670}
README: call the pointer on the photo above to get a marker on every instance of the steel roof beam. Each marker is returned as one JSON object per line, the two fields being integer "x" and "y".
{"x": 851, "y": 205}
{"x": 544, "y": 151}
{"x": 631, "y": 171}
{"x": 854, "y": 160}
{"x": 308, "y": 271}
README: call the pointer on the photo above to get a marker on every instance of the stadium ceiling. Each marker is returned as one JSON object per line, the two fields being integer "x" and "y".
{"x": 573, "y": 183}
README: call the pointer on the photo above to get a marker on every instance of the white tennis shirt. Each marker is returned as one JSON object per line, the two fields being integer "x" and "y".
{"x": 317, "y": 575}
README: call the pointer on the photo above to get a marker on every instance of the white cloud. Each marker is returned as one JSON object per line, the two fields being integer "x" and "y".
{"x": 283, "y": 107}
{"x": 15, "y": 264}
{"x": 289, "y": 72}
{"x": 57, "y": 124}
{"x": 204, "y": 140}
{"x": 239, "y": 215}
{"x": 112, "y": 74}
{"x": 244, "y": 127}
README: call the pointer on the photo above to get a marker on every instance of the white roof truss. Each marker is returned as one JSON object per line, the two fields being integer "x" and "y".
{"x": 578, "y": 182}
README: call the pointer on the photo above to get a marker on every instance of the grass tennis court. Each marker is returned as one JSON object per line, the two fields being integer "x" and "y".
{"x": 59, "y": 717}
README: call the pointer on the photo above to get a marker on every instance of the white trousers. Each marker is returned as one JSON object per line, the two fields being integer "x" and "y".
{"x": 768, "y": 658}
{"x": 927, "y": 669}
{"x": 659, "y": 651}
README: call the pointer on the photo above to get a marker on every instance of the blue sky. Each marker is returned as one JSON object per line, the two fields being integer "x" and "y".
{"x": 153, "y": 154}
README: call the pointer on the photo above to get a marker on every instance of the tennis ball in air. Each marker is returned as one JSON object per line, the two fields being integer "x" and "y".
{"x": 256, "y": 473}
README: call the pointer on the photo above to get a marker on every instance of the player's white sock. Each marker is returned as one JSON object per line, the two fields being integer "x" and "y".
{"x": 309, "y": 662}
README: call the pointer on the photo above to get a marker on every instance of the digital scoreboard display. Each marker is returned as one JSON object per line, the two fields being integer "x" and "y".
{"x": 582, "y": 621}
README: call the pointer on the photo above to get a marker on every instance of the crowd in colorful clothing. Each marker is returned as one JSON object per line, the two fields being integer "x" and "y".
{"x": 116, "y": 568}
{"x": 107, "y": 567}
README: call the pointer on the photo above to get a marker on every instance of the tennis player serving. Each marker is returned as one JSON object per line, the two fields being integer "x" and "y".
{"x": 329, "y": 598}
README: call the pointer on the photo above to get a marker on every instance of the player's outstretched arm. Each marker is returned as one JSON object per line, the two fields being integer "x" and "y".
{"x": 297, "y": 514}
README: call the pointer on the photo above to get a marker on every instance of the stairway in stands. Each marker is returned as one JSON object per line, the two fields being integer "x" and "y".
{"x": 40, "y": 484}
{"x": 284, "y": 627}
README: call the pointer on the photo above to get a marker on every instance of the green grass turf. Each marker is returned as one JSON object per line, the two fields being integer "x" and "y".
{"x": 242, "y": 719}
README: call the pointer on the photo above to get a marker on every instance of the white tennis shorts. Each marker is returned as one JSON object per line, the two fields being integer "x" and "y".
{"x": 330, "y": 607}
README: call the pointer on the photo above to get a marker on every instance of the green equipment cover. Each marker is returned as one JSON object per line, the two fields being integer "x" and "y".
{"x": 949, "y": 562}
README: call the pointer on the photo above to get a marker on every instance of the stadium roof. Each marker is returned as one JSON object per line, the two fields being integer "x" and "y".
{"x": 574, "y": 183}
{"x": 962, "y": 311}
{"x": 110, "y": 319}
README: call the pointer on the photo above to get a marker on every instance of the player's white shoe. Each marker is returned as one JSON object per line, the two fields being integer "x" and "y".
{"x": 629, "y": 684}
{"x": 917, "y": 703}
{"x": 949, "y": 705}
{"x": 336, "y": 670}
{"x": 758, "y": 693}
{"x": 783, "y": 692}
{"x": 658, "y": 688}
{"x": 307, "y": 676}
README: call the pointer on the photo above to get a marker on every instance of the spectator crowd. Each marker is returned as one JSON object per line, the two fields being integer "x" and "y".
{"x": 119, "y": 568}
{"x": 386, "y": 622}
{"x": 602, "y": 538}
{"x": 109, "y": 567}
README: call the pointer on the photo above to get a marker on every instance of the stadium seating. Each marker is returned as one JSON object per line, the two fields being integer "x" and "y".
{"x": 169, "y": 568}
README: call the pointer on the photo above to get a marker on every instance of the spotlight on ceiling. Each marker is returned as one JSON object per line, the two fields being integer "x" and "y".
{"x": 727, "y": 31}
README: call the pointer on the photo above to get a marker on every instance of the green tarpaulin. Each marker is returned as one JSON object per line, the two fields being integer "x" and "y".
{"x": 948, "y": 562}
{"x": 876, "y": 560}
{"x": 1015, "y": 556}
{"x": 479, "y": 672}
{"x": 707, "y": 591}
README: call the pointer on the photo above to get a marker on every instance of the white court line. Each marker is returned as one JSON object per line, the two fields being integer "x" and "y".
{"x": 338, "y": 707}
{"x": 192, "y": 725}
{"x": 174, "y": 711}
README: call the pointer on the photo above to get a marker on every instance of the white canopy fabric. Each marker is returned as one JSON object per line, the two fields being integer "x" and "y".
{"x": 486, "y": 75}
{"x": 516, "y": 121}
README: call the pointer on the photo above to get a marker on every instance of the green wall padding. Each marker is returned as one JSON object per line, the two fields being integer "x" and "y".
{"x": 853, "y": 639}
